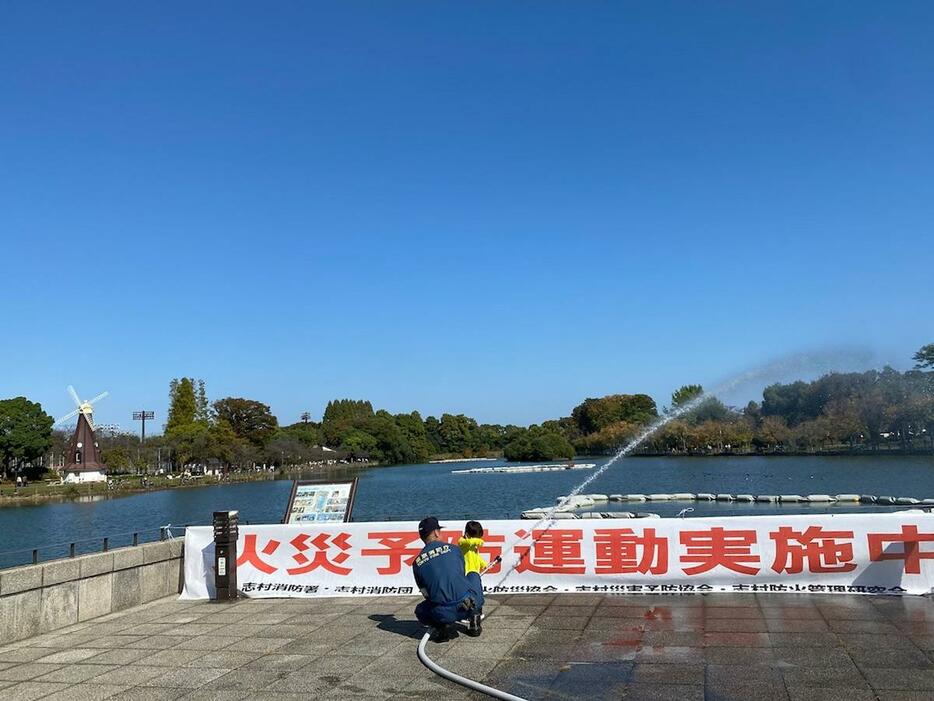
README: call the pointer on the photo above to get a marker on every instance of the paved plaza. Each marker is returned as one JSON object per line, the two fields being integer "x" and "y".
{"x": 712, "y": 647}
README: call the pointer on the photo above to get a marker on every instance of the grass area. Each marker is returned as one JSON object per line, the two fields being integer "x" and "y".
{"x": 127, "y": 484}
{"x": 121, "y": 484}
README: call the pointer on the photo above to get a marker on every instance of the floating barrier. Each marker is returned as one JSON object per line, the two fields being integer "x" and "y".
{"x": 584, "y": 500}
{"x": 504, "y": 469}
{"x": 575, "y": 502}
{"x": 539, "y": 514}
{"x": 535, "y": 514}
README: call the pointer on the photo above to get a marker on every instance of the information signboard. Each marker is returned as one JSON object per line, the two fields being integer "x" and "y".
{"x": 320, "y": 502}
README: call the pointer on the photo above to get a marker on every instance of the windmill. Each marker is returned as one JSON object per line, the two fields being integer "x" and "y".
{"x": 84, "y": 461}
{"x": 83, "y": 407}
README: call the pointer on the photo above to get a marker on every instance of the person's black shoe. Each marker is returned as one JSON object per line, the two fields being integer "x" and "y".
{"x": 474, "y": 625}
{"x": 442, "y": 634}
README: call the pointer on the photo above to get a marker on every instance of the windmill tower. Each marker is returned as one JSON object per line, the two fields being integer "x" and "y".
{"x": 84, "y": 462}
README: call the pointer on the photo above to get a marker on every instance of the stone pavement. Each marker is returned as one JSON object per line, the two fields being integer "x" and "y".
{"x": 713, "y": 647}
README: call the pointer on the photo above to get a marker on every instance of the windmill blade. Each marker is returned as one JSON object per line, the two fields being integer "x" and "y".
{"x": 98, "y": 397}
{"x": 67, "y": 416}
{"x": 74, "y": 396}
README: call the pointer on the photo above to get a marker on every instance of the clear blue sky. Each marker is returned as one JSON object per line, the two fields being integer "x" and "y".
{"x": 490, "y": 208}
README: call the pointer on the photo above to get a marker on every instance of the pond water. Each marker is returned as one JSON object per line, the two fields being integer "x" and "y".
{"x": 409, "y": 492}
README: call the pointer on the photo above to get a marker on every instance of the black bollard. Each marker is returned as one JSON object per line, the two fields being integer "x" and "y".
{"x": 225, "y": 554}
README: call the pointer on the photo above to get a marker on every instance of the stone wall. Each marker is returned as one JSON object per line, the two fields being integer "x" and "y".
{"x": 39, "y": 598}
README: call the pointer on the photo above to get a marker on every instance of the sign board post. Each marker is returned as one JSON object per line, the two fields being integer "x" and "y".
{"x": 320, "y": 502}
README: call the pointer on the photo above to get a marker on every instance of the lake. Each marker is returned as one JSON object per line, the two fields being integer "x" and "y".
{"x": 410, "y": 492}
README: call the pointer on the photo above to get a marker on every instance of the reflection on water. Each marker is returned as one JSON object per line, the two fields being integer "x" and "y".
{"x": 411, "y": 492}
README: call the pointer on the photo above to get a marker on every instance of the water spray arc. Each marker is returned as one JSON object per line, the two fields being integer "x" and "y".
{"x": 548, "y": 520}
{"x": 808, "y": 361}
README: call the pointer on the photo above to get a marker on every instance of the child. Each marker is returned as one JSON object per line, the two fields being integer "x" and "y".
{"x": 470, "y": 545}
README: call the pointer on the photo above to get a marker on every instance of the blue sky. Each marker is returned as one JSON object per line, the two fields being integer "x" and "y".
{"x": 490, "y": 208}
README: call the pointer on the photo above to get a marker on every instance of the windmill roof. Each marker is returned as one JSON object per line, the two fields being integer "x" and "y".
{"x": 90, "y": 454}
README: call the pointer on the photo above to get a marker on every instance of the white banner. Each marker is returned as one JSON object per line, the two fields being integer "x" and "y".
{"x": 823, "y": 553}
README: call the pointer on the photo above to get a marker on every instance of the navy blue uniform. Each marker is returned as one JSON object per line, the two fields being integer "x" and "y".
{"x": 439, "y": 575}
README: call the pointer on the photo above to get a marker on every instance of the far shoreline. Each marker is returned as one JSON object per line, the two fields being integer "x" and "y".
{"x": 61, "y": 494}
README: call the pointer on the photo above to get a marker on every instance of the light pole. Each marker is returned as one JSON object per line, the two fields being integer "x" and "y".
{"x": 142, "y": 417}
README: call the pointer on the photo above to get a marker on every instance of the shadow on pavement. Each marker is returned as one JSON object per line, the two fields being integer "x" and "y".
{"x": 406, "y": 628}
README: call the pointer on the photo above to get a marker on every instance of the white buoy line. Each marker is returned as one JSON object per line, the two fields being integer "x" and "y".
{"x": 517, "y": 469}
{"x": 566, "y": 506}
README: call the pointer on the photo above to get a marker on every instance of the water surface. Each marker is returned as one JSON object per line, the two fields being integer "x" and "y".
{"x": 410, "y": 492}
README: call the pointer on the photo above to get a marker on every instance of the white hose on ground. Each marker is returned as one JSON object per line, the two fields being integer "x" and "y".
{"x": 457, "y": 678}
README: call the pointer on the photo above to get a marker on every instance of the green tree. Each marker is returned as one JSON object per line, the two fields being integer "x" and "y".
{"x": 416, "y": 435}
{"x": 787, "y": 401}
{"x": 607, "y": 440}
{"x": 924, "y": 358}
{"x": 433, "y": 431}
{"x": 25, "y": 431}
{"x": 308, "y": 432}
{"x": 359, "y": 443}
{"x": 341, "y": 415}
{"x": 537, "y": 444}
{"x": 685, "y": 394}
{"x": 772, "y": 434}
{"x": 117, "y": 458}
{"x": 186, "y": 432}
{"x": 183, "y": 406}
{"x": 202, "y": 407}
{"x": 459, "y": 434}
{"x": 250, "y": 420}
{"x": 595, "y": 414}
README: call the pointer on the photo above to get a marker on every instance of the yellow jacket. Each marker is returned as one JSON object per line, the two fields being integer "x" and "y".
{"x": 470, "y": 547}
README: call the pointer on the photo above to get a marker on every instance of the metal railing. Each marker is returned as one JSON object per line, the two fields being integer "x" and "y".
{"x": 83, "y": 546}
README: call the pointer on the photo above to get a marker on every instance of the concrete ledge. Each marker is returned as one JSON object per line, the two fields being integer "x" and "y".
{"x": 45, "y": 597}
{"x": 20, "y": 579}
{"x": 59, "y": 571}
{"x": 58, "y": 606}
{"x": 168, "y": 550}
{"x": 95, "y": 597}
{"x": 126, "y": 589}
{"x": 125, "y": 558}
{"x": 96, "y": 564}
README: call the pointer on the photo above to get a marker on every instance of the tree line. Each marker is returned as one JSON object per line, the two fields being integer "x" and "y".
{"x": 841, "y": 412}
